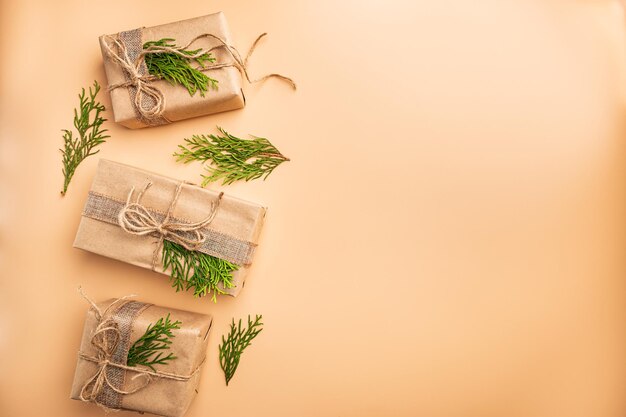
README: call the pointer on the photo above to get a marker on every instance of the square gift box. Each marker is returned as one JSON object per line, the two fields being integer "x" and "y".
{"x": 104, "y": 377}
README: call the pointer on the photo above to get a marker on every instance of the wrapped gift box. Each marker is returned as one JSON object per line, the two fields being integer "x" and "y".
{"x": 177, "y": 103}
{"x": 102, "y": 375}
{"x": 231, "y": 234}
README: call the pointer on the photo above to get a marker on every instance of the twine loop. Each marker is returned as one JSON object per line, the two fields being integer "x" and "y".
{"x": 136, "y": 219}
{"x": 142, "y": 82}
{"x": 105, "y": 338}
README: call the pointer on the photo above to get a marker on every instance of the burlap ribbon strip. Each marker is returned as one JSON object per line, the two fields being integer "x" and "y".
{"x": 111, "y": 338}
{"x": 137, "y": 219}
{"x": 148, "y": 101}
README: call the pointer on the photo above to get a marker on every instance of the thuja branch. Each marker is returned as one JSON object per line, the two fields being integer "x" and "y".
{"x": 88, "y": 123}
{"x": 150, "y": 349}
{"x": 235, "y": 342}
{"x": 177, "y": 69}
{"x": 203, "y": 273}
{"x": 229, "y": 158}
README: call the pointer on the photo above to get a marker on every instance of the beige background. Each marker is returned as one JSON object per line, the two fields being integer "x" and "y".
{"x": 448, "y": 239}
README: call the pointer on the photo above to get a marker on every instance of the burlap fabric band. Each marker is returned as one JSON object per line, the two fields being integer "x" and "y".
{"x": 123, "y": 317}
{"x": 137, "y": 219}
{"x": 148, "y": 100}
{"x": 111, "y": 339}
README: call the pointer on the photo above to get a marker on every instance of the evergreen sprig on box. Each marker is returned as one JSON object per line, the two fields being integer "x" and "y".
{"x": 177, "y": 69}
{"x": 149, "y": 350}
{"x": 203, "y": 273}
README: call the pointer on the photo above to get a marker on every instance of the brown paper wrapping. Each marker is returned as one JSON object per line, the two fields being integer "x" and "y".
{"x": 163, "y": 397}
{"x": 179, "y": 104}
{"x": 235, "y": 218}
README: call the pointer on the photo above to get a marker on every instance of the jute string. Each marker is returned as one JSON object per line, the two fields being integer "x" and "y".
{"x": 105, "y": 338}
{"x": 136, "y": 219}
{"x": 143, "y": 82}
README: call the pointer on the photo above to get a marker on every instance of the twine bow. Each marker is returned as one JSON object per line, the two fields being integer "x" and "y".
{"x": 105, "y": 339}
{"x": 142, "y": 82}
{"x": 136, "y": 219}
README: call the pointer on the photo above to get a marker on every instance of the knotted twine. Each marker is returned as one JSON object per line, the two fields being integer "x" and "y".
{"x": 219, "y": 244}
{"x": 111, "y": 338}
{"x": 149, "y": 101}
{"x": 136, "y": 219}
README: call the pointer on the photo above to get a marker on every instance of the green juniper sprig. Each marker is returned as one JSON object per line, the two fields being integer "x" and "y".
{"x": 177, "y": 69}
{"x": 149, "y": 349}
{"x": 88, "y": 123}
{"x": 230, "y": 158}
{"x": 204, "y": 273}
{"x": 235, "y": 342}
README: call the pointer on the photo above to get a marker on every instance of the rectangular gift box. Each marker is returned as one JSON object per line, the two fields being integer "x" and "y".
{"x": 231, "y": 235}
{"x": 178, "y": 104}
{"x": 102, "y": 375}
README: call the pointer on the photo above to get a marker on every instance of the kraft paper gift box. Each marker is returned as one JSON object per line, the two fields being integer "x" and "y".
{"x": 102, "y": 375}
{"x": 230, "y": 226}
{"x": 139, "y": 99}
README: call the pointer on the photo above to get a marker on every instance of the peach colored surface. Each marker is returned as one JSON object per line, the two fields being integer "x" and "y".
{"x": 448, "y": 239}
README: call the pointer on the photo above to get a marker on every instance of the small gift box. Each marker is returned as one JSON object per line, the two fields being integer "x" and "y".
{"x": 175, "y": 71}
{"x": 141, "y": 357}
{"x": 203, "y": 239}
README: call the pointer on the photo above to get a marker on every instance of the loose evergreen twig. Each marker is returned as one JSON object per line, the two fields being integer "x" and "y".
{"x": 177, "y": 69}
{"x": 234, "y": 344}
{"x": 149, "y": 349}
{"x": 230, "y": 158}
{"x": 88, "y": 123}
{"x": 204, "y": 273}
